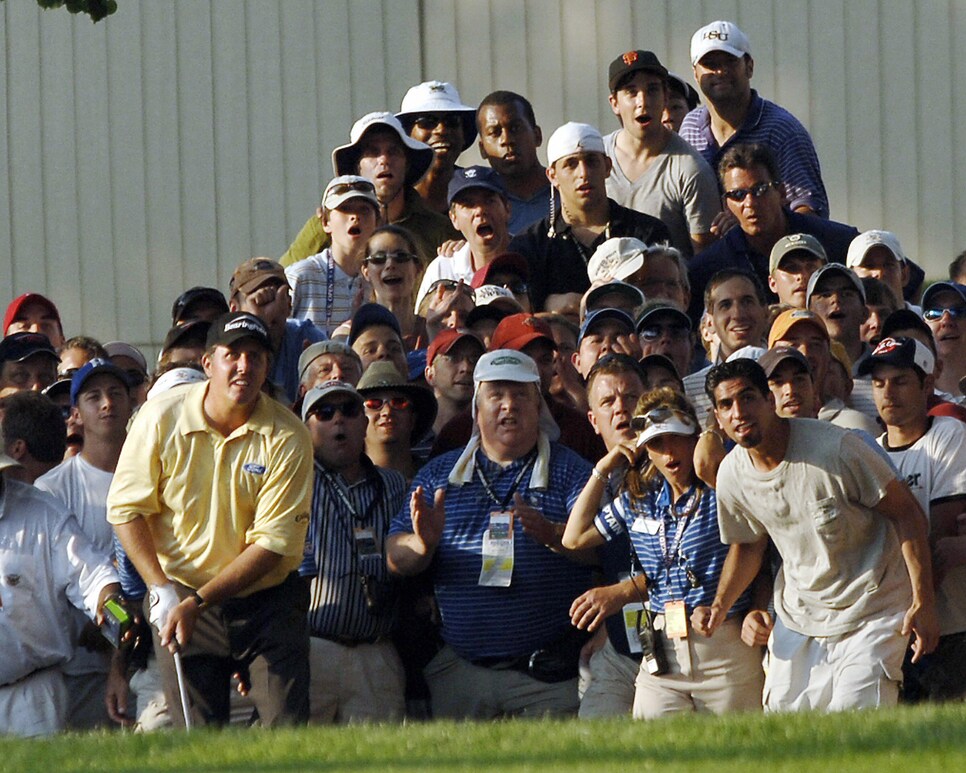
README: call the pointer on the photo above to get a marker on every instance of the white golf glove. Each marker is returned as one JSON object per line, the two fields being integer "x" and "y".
{"x": 162, "y": 600}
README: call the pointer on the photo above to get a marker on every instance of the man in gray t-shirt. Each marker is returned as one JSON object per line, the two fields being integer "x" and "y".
{"x": 852, "y": 540}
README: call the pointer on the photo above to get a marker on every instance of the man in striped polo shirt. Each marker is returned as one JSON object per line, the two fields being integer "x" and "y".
{"x": 356, "y": 674}
{"x": 489, "y": 519}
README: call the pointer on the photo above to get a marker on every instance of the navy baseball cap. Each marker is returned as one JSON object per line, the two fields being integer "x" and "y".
{"x": 601, "y": 315}
{"x": 474, "y": 177}
{"x": 901, "y": 353}
{"x": 370, "y": 314}
{"x": 938, "y": 287}
{"x": 93, "y": 368}
{"x": 194, "y": 295}
{"x": 17, "y": 347}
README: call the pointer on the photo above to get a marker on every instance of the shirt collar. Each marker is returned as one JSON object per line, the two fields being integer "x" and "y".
{"x": 193, "y": 414}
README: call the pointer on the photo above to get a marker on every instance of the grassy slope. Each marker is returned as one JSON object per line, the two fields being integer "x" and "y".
{"x": 932, "y": 738}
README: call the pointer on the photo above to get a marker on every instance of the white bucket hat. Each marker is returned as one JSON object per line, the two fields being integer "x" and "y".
{"x": 345, "y": 158}
{"x": 437, "y": 97}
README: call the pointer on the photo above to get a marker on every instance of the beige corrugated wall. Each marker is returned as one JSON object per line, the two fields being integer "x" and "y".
{"x": 159, "y": 148}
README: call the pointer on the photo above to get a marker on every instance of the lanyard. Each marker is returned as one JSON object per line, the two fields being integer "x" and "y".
{"x": 333, "y": 484}
{"x": 586, "y": 253}
{"x": 516, "y": 481}
{"x": 669, "y": 557}
{"x": 329, "y": 291}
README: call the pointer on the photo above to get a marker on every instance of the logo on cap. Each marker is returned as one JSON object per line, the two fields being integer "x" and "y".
{"x": 506, "y": 360}
{"x": 471, "y": 172}
{"x": 245, "y": 324}
{"x": 885, "y": 346}
{"x": 715, "y": 35}
{"x": 437, "y": 86}
{"x": 629, "y": 58}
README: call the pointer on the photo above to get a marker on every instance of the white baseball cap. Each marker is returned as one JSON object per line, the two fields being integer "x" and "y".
{"x": 498, "y": 296}
{"x": 573, "y": 138}
{"x": 866, "y": 240}
{"x": 506, "y": 365}
{"x": 719, "y": 36}
{"x": 617, "y": 258}
{"x": 347, "y": 187}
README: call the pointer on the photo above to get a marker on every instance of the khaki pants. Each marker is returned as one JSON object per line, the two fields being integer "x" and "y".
{"x": 34, "y": 706}
{"x": 364, "y": 683}
{"x": 461, "y": 690}
{"x": 611, "y": 689}
{"x": 716, "y": 675}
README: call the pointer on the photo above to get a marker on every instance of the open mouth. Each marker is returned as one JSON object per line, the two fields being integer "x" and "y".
{"x": 392, "y": 281}
{"x": 339, "y": 437}
{"x": 484, "y": 231}
{"x": 644, "y": 120}
{"x": 354, "y": 230}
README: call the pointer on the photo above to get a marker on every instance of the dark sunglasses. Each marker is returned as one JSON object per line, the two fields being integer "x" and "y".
{"x": 327, "y": 412}
{"x": 432, "y": 120}
{"x": 356, "y": 187}
{"x": 660, "y": 416}
{"x": 400, "y": 257}
{"x": 451, "y": 285}
{"x": 740, "y": 194}
{"x": 396, "y": 403}
{"x": 934, "y": 315}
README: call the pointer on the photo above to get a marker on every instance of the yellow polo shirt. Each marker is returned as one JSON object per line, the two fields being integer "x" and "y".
{"x": 207, "y": 497}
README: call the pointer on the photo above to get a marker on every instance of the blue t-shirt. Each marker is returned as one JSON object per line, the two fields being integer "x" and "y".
{"x": 299, "y": 333}
{"x": 494, "y": 622}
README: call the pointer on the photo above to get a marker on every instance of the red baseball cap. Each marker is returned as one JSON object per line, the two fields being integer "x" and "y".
{"x": 22, "y": 300}
{"x": 511, "y": 262}
{"x": 446, "y": 339}
{"x": 518, "y": 330}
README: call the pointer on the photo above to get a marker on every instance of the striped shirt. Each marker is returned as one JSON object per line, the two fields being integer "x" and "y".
{"x": 337, "y": 561}
{"x": 699, "y": 548}
{"x": 776, "y": 128}
{"x": 309, "y": 280}
{"x": 491, "y": 622}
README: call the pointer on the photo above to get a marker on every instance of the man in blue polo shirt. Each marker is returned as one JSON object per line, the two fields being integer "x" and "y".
{"x": 489, "y": 519}
{"x": 734, "y": 113}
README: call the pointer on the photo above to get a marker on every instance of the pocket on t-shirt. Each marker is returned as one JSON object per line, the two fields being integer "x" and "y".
{"x": 828, "y": 519}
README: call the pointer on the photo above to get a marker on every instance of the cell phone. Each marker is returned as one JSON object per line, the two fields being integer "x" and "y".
{"x": 116, "y": 623}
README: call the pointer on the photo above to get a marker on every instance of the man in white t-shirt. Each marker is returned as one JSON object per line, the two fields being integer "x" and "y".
{"x": 852, "y": 540}
{"x": 102, "y": 405}
{"x": 930, "y": 453}
{"x": 654, "y": 170}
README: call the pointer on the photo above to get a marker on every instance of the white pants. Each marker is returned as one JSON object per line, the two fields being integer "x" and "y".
{"x": 34, "y": 706}
{"x": 858, "y": 670}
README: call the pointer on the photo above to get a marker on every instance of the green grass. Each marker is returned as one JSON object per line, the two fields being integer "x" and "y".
{"x": 920, "y": 739}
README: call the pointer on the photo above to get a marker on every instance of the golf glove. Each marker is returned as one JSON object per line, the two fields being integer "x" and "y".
{"x": 162, "y": 600}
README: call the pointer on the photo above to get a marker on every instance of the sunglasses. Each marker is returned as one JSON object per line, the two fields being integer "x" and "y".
{"x": 327, "y": 412}
{"x": 934, "y": 315}
{"x": 400, "y": 257}
{"x": 432, "y": 120}
{"x": 517, "y": 288}
{"x": 396, "y": 403}
{"x": 451, "y": 286}
{"x": 356, "y": 187}
{"x": 740, "y": 194}
{"x": 661, "y": 416}
{"x": 651, "y": 333}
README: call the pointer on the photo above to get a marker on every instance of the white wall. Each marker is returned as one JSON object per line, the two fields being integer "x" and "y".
{"x": 161, "y": 147}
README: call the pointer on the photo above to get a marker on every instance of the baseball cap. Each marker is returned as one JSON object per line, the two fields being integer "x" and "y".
{"x": 791, "y": 317}
{"x": 507, "y": 262}
{"x": 904, "y": 319}
{"x": 771, "y": 359}
{"x": 493, "y": 295}
{"x": 60, "y": 387}
{"x": 938, "y": 287}
{"x": 369, "y": 314}
{"x": 384, "y": 375}
{"x": 506, "y": 365}
{"x": 124, "y": 349}
{"x": 173, "y": 378}
{"x": 677, "y": 83}
{"x": 617, "y": 258}
{"x": 347, "y": 187}
{"x": 600, "y": 315}
{"x": 573, "y": 138}
{"x": 518, "y": 330}
{"x": 866, "y": 240}
{"x": 236, "y": 325}
{"x": 663, "y": 421}
{"x": 656, "y": 360}
{"x": 747, "y": 353}
{"x": 254, "y": 273}
{"x": 17, "y": 347}
{"x": 474, "y": 177}
{"x": 795, "y": 243}
{"x": 191, "y": 333}
{"x": 92, "y": 368}
{"x": 316, "y": 350}
{"x": 14, "y": 307}
{"x": 629, "y": 291}
{"x": 197, "y": 295}
{"x": 328, "y": 389}
{"x": 446, "y": 339}
{"x": 660, "y": 309}
{"x": 719, "y": 36}
{"x": 827, "y": 270}
{"x": 437, "y": 97}
{"x": 345, "y": 158}
{"x": 902, "y": 353}
{"x": 633, "y": 61}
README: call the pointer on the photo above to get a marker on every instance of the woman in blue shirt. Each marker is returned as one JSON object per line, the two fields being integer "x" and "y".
{"x": 677, "y": 553}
